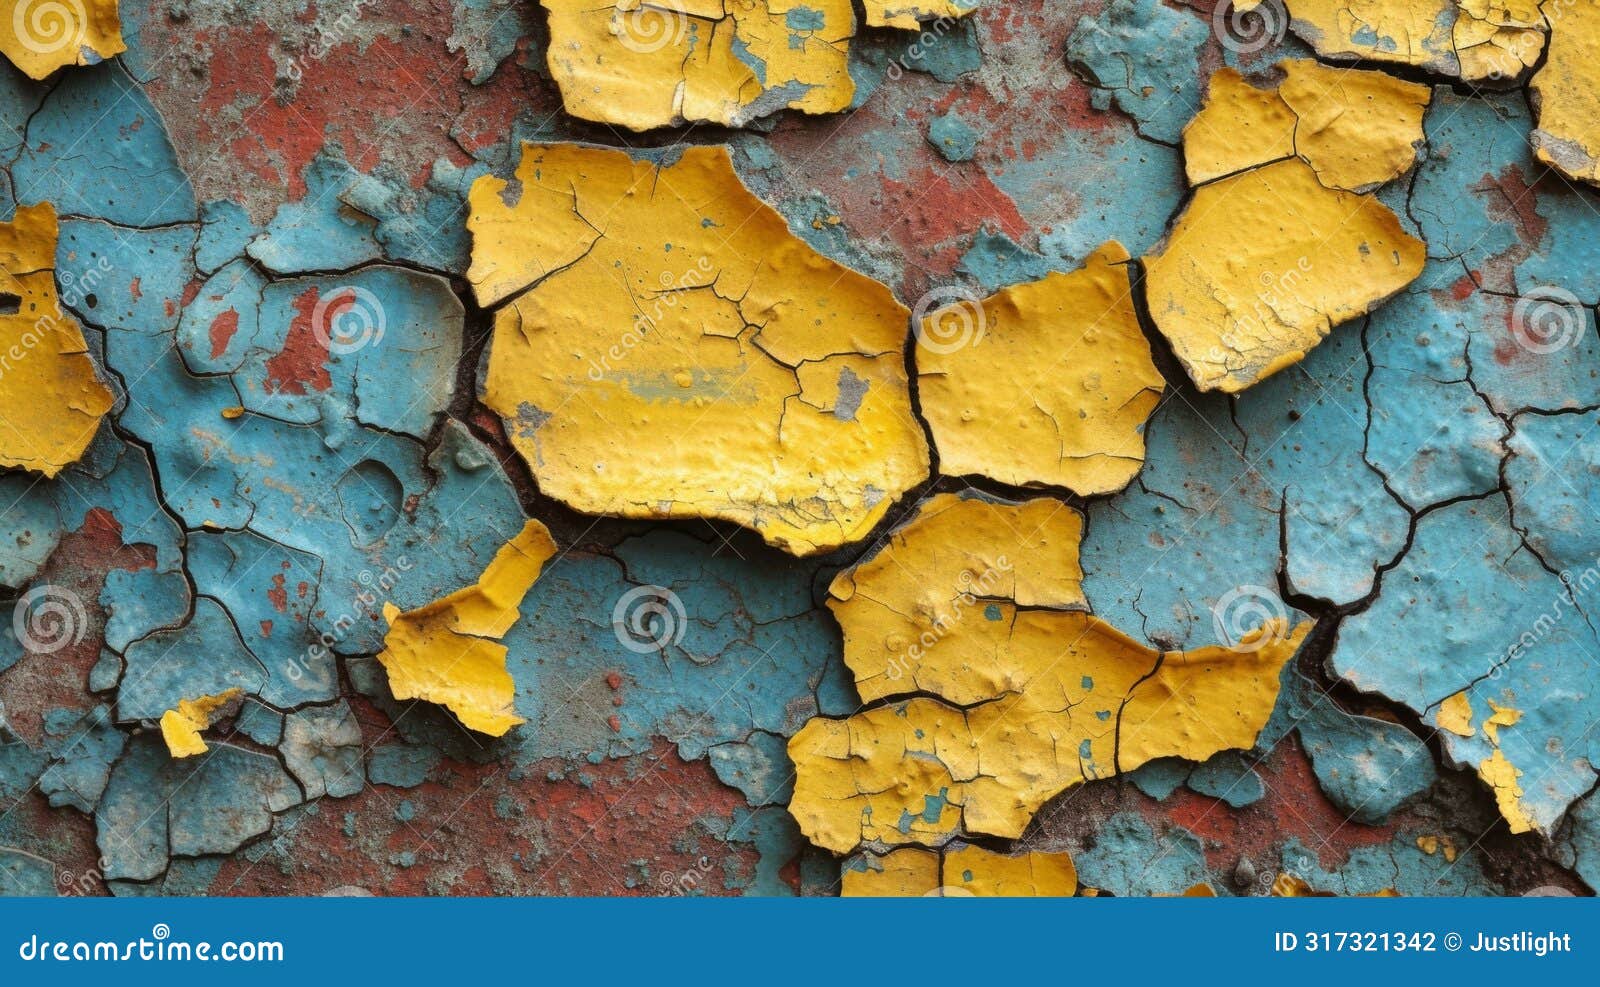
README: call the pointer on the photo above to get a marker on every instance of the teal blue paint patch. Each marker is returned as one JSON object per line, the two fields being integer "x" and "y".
{"x": 953, "y": 137}
{"x": 1228, "y": 777}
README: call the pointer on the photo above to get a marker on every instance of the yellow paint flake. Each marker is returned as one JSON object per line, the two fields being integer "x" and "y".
{"x": 1501, "y": 776}
{"x": 1504, "y": 716}
{"x": 51, "y": 397}
{"x": 1034, "y": 696}
{"x": 1455, "y": 715}
{"x": 447, "y": 652}
{"x": 1356, "y": 129}
{"x": 967, "y": 871}
{"x": 1240, "y": 301}
{"x": 908, "y": 14}
{"x": 1480, "y": 41}
{"x": 670, "y": 349}
{"x": 1238, "y": 127}
{"x": 1431, "y": 845}
{"x": 643, "y": 64}
{"x": 935, "y": 586}
{"x": 1048, "y": 382}
{"x": 1566, "y": 93}
{"x": 41, "y": 36}
{"x": 1294, "y": 886}
{"x": 181, "y": 727}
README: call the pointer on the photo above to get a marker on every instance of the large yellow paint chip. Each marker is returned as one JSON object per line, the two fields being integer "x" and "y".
{"x": 667, "y": 348}
{"x": 964, "y": 871}
{"x": 1477, "y": 41}
{"x": 1355, "y": 129}
{"x": 51, "y": 395}
{"x": 447, "y": 652}
{"x": 908, "y": 15}
{"x": 1020, "y": 694}
{"x": 1052, "y": 386}
{"x": 181, "y": 727}
{"x": 1263, "y": 264}
{"x": 1566, "y": 93}
{"x": 41, "y": 36}
{"x": 644, "y": 64}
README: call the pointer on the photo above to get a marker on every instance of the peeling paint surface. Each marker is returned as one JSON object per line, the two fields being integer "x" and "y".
{"x": 799, "y": 448}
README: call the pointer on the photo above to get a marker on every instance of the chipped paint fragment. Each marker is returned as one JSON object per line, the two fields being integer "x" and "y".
{"x": 1034, "y": 695}
{"x": 667, "y": 348}
{"x": 642, "y": 64}
{"x": 961, "y": 871}
{"x": 1565, "y": 92}
{"x": 1043, "y": 383}
{"x": 181, "y": 727}
{"x": 51, "y": 394}
{"x": 41, "y": 36}
{"x": 909, "y": 14}
{"x": 1241, "y": 301}
{"x": 447, "y": 652}
{"x": 1356, "y": 129}
{"x": 1488, "y": 42}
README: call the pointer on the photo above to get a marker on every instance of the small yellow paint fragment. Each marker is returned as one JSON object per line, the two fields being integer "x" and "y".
{"x": 1566, "y": 92}
{"x": 181, "y": 727}
{"x": 966, "y": 871}
{"x": 51, "y": 396}
{"x": 1455, "y": 715}
{"x": 921, "y": 614}
{"x": 1294, "y": 886}
{"x": 1431, "y": 845}
{"x": 1240, "y": 301}
{"x": 447, "y": 652}
{"x": 908, "y": 15}
{"x": 1199, "y": 891}
{"x": 1035, "y": 695}
{"x": 41, "y": 36}
{"x": 643, "y": 64}
{"x": 1048, "y": 382}
{"x": 670, "y": 349}
{"x": 1501, "y": 776}
{"x": 1504, "y": 716}
{"x": 1480, "y": 41}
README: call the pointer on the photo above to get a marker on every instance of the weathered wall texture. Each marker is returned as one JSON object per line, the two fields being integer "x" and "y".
{"x": 799, "y": 446}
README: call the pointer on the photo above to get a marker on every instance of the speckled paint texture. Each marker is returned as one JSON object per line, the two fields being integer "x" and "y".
{"x": 327, "y": 327}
